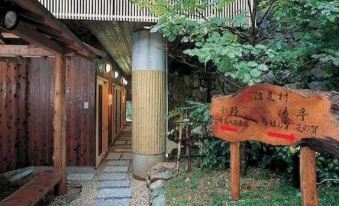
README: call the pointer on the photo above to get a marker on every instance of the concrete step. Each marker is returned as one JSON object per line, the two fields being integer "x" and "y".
{"x": 113, "y": 184}
{"x": 116, "y": 202}
{"x": 116, "y": 169}
{"x": 114, "y": 193}
{"x": 112, "y": 176}
{"x": 117, "y": 163}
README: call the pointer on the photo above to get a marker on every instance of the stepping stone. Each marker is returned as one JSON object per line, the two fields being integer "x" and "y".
{"x": 123, "y": 150}
{"x": 116, "y": 169}
{"x": 129, "y": 142}
{"x": 116, "y": 202}
{"x": 126, "y": 156}
{"x": 113, "y": 184}
{"x": 112, "y": 176}
{"x": 80, "y": 177}
{"x": 118, "y": 163}
{"x": 120, "y": 142}
{"x": 114, "y": 193}
{"x": 113, "y": 156}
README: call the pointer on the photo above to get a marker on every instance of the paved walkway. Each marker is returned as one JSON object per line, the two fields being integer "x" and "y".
{"x": 113, "y": 185}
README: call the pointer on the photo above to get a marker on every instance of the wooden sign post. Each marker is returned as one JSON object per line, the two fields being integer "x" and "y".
{"x": 279, "y": 116}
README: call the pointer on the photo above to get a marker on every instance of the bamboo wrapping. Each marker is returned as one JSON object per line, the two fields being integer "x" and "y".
{"x": 149, "y": 111}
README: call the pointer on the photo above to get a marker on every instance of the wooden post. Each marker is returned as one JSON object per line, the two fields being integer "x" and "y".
{"x": 59, "y": 125}
{"x": 308, "y": 178}
{"x": 235, "y": 170}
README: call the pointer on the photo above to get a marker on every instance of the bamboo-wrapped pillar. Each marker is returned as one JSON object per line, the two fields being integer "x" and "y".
{"x": 149, "y": 101}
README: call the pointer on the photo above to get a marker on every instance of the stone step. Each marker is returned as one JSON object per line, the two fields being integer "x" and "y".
{"x": 112, "y": 176}
{"x": 116, "y": 202}
{"x": 114, "y": 193}
{"x": 113, "y": 184}
{"x": 80, "y": 177}
{"x": 117, "y": 163}
{"x": 113, "y": 156}
{"x": 116, "y": 169}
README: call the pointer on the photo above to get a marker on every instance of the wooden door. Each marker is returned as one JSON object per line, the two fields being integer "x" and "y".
{"x": 101, "y": 120}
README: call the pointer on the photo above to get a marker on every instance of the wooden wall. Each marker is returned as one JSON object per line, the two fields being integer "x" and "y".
{"x": 26, "y": 112}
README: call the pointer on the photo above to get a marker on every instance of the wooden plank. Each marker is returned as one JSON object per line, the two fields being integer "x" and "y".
{"x": 235, "y": 170}
{"x": 59, "y": 123}
{"x": 32, "y": 192}
{"x": 308, "y": 180}
{"x": 279, "y": 116}
{"x": 23, "y": 50}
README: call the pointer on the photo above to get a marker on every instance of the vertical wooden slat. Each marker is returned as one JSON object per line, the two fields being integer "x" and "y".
{"x": 59, "y": 124}
{"x": 308, "y": 180}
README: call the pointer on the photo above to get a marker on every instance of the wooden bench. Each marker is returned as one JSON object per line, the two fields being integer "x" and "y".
{"x": 32, "y": 192}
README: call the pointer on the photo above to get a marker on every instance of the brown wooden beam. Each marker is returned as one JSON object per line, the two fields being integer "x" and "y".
{"x": 23, "y": 50}
{"x": 8, "y": 35}
{"x": 29, "y": 34}
{"x": 50, "y": 20}
{"x": 59, "y": 124}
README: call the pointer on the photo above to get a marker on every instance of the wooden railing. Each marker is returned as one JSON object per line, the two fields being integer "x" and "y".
{"x": 124, "y": 10}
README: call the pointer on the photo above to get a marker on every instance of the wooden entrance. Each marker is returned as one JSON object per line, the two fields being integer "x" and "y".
{"x": 102, "y": 105}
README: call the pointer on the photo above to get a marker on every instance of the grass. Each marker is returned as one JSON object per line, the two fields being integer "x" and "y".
{"x": 259, "y": 187}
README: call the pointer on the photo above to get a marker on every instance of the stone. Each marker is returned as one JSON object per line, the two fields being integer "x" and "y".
{"x": 157, "y": 192}
{"x": 269, "y": 77}
{"x": 127, "y": 156}
{"x": 156, "y": 184}
{"x": 317, "y": 85}
{"x": 112, "y": 176}
{"x": 114, "y": 193}
{"x": 116, "y": 169}
{"x": 113, "y": 156}
{"x": 116, "y": 202}
{"x": 80, "y": 177}
{"x": 159, "y": 200}
{"x": 118, "y": 163}
{"x": 165, "y": 175}
{"x": 73, "y": 193}
{"x": 113, "y": 184}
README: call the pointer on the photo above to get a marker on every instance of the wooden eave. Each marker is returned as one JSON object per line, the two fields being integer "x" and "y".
{"x": 39, "y": 27}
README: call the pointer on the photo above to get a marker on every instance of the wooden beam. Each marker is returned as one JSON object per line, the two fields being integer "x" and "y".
{"x": 8, "y": 35}
{"x": 59, "y": 124}
{"x": 308, "y": 180}
{"x": 28, "y": 33}
{"x": 235, "y": 170}
{"x": 37, "y": 8}
{"x": 23, "y": 50}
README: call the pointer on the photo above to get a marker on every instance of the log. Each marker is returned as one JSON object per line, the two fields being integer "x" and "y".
{"x": 279, "y": 116}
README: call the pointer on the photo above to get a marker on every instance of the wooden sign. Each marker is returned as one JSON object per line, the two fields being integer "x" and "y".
{"x": 279, "y": 116}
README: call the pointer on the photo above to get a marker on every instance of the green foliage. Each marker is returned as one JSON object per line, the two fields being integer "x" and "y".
{"x": 292, "y": 35}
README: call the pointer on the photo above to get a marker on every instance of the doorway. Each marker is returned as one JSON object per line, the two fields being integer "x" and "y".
{"x": 102, "y": 105}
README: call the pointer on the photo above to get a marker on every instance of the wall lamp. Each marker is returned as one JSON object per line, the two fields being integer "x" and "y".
{"x": 9, "y": 19}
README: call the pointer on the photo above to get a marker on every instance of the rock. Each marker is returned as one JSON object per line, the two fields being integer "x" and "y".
{"x": 166, "y": 175}
{"x": 158, "y": 197}
{"x": 73, "y": 194}
{"x": 293, "y": 86}
{"x": 268, "y": 77}
{"x": 319, "y": 86}
{"x": 156, "y": 184}
{"x": 320, "y": 73}
{"x": 160, "y": 167}
{"x": 159, "y": 201}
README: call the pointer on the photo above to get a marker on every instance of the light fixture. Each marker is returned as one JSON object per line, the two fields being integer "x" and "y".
{"x": 10, "y": 19}
{"x": 108, "y": 67}
{"x": 116, "y": 74}
{"x": 124, "y": 81}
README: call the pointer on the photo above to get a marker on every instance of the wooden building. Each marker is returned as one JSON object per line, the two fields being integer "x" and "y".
{"x": 55, "y": 107}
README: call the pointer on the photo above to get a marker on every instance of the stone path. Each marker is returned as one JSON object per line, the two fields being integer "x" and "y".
{"x": 113, "y": 184}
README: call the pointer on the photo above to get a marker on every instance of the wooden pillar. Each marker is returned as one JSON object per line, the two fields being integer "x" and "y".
{"x": 308, "y": 180}
{"x": 59, "y": 124}
{"x": 235, "y": 170}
